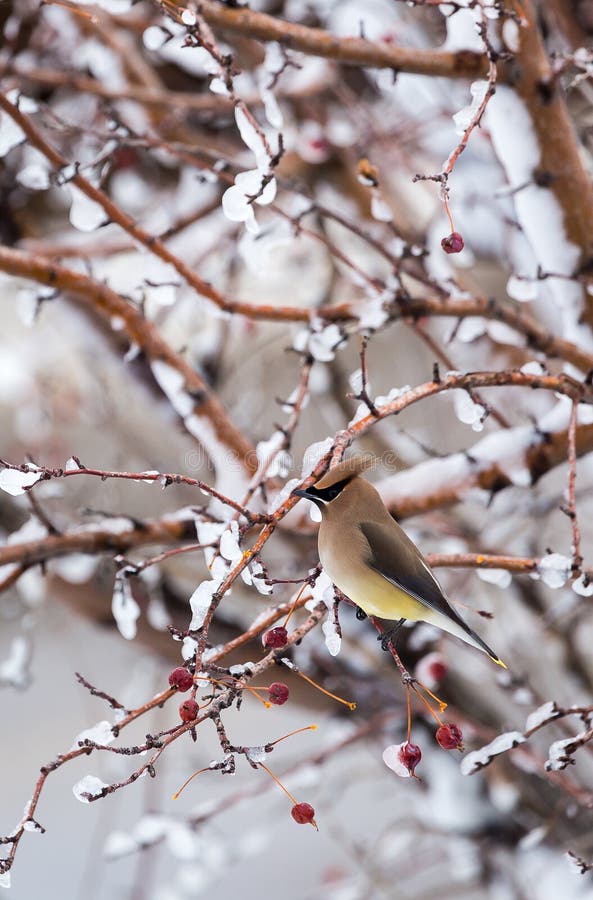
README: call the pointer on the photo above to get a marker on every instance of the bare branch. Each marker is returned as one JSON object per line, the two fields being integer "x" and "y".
{"x": 99, "y": 297}
{"x": 349, "y": 50}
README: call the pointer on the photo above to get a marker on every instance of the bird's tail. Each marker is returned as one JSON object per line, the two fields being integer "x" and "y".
{"x": 455, "y": 625}
{"x": 484, "y": 646}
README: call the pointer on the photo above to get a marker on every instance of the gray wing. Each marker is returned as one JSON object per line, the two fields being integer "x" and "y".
{"x": 394, "y": 556}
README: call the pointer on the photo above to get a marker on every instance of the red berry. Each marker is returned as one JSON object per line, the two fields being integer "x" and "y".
{"x": 303, "y": 813}
{"x": 409, "y": 756}
{"x": 450, "y": 737}
{"x": 275, "y": 638}
{"x": 438, "y": 670}
{"x": 189, "y": 710}
{"x": 453, "y": 243}
{"x": 181, "y": 679}
{"x": 278, "y": 693}
{"x": 125, "y": 157}
{"x": 431, "y": 669}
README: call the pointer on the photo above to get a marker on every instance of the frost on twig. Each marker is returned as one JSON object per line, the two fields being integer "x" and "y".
{"x": 89, "y": 788}
{"x": 15, "y": 482}
{"x": 478, "y": 759}
{"x": 561, "y": 753}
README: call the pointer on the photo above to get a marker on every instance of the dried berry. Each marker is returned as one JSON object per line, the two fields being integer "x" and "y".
{"x": 450, "y": 737}
{"x": 453, "y": 243}
{"x": 189, "y": 710}
{"x": 303, "y": 813}
{"x": 278, "y": 693}
{"x": 275, "y": 638}
{"x": 181, "y": 679}
{"x": 409, "y": 756}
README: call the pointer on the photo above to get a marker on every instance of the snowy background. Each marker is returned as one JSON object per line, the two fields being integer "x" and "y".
{"x": 182, "y": 144}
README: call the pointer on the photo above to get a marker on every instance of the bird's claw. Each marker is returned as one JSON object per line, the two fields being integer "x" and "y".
{"x": 389, "y": 637}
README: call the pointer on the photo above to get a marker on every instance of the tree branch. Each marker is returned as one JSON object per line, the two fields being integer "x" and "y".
{"x": 206, "y": 407}
{"x": 147, "y": 96}
{"x": 38, "y": 268}
{"x": 560, "y": 168}
{"x": 438, "y": 483}
{"x": 351, "y": 51}
{"x": 167, "y": 530}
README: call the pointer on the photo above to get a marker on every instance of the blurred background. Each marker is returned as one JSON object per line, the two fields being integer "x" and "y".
{"x": 129, "y": 92}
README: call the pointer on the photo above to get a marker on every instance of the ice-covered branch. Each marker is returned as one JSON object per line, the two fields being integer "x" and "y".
{"x": 203, "y": 414}
{"x": 112, "y": 210}
{"x": 161, "y": 98}
{"x": 561, "y": 752}
{"x": 97, "y": 539}
{"x": 37, "y": 268}
{"x": 571, "y": 509}
{"x": 520, "y": 456}
{"x": 164, "y": 479}
{"x": 349, "y": 50}
{"x": 545, "y": 167}
{"x": 581, "y": 392}
{"x": 90, "y": 789}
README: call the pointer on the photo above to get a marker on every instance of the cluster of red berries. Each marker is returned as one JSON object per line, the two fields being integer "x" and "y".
{"x": 448, "y": 736}
{"x": 182, "y": 680}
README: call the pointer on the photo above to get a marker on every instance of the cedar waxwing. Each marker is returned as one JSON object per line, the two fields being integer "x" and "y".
{"x": 373, "y": 561}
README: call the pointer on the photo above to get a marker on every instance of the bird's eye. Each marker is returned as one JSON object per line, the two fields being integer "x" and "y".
{"x": 330, "y": 493}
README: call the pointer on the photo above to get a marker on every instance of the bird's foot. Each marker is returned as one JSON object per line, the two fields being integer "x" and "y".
{"x": 390, "y": 637}
{"x": 360, "y": 614}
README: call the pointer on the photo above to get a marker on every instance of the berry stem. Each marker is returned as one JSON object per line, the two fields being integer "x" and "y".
{"x": 72, "y": 9}
{"x": 278, "y": 782}
{"x": 295, "y": 602}
{"x": 427, "y": 705}
{"x": 347, "y": 703}
{"x": 292, "y": 733}
{"x": 442, "y": 704}
{"x": 409, "y": 703}
{"x": 253, "y": 691}
{"x": 239, "y": 684}
{"x": 187, "y": 781}
{"x": 448, "y": 211}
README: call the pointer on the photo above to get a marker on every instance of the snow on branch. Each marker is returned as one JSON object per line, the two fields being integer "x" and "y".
{"x": 561, "y": 752}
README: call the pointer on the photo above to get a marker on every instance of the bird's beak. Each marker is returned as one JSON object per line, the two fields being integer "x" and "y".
{"x": 301, "y": 493}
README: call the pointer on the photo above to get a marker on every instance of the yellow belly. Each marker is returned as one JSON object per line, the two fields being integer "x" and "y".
{"x": 379, "y": 597}
{"x": 376, "y": 595}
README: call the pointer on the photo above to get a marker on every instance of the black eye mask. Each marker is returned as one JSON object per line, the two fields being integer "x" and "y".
{"x": 329, "y": 493}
